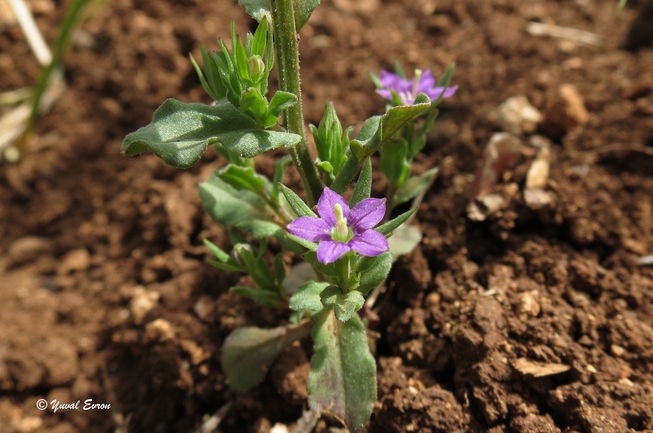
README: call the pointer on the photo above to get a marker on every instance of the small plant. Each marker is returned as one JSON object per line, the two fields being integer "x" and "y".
{"x": 347, "y": 244}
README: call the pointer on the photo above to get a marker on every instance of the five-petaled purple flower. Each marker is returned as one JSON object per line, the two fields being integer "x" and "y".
{"x": 339, "y": 230}
{"x": 407, "y": 90}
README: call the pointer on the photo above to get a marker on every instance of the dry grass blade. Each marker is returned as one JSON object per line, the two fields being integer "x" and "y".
{"x": 581, "y": 36}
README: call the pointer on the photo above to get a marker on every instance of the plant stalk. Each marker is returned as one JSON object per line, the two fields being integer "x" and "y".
{"x": 286, "y": 45}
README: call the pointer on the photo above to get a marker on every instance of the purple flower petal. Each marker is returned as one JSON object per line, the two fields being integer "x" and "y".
{"x": 426, "y": 81}
{"x": 330, "y": 251}
{"x": 326, "y": 204}
{"x": 385, "y": 93}
{"x": 370, "y": 243}
{"x": 437, "y": 91}
{"x": 310, "y": 228}
{"x": 388, "y": 79}
{"x": 366, "y": 214}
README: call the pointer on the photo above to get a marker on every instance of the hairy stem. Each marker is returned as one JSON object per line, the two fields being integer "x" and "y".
{"x": 285, "y": 41}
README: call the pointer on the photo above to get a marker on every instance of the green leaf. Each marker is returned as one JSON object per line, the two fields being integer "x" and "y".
{"x": 259, "y": 40}
{"x": 296, "y": 203}
{"x": 179, "y": 133}
{"x": 415, "y": 186}
{"x": 262, "y": 297}
{"x": 399, "y": 70}
{"x": 377, "y": 130}
{"x": 257, "y": 9}
{"x": 393, "y": 161}
{"x": 242, "y": 210}
{"x": 303, "y": 11}
{"x": 279, "y": 172}
{"x": 344, "y": 304}
{"x": 242, "y": 178}
{"x": 248, "y": 352}
{"x": 376, "y": 80}
{"x": 205, "y": 84}
{"x": 307, "y": 297}
{"x": 404, "y": 240}
{"x": 387, "y": 228}
{"x": 280, "y": 101}
{"x": 258, "y": 270}
{"x": 374, "y": 270}
{"x": 346, "y": 175}
{"x": 363, "y": 188}
{"x": 217, "y": 251}
{"x": 342, "y": 379}
{"x": 241, "y": 58}
{"x": 311, "y": 246}
{"x": 444, "y": 82}
{"x": 279, "y": 270}
{"x": 229, "y": 267}
{"x": 255, "y": 105}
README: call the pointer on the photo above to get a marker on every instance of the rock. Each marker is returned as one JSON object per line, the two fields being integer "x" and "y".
{"x": 566, "y": 111}
{"x": 538, "y": 172}
{"x": 28, "y": 424}
{"x": 502, "y": 153}
{"x": 517, "y": 116}
{"x": 527, "y": 305}
{"x": 28, "y": 248}
{"x": 536, "y": 198}
{"x": 158, "y": 331}
{"x": 76, "y": 260}
{"x": 205, "y": 308}
{"x": 142, "y": 302}
{"x": 482, "y": 208}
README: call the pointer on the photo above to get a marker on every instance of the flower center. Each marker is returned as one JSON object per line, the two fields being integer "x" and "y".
{"x": 340, "y": 232}
{"x": 418, "y": 76}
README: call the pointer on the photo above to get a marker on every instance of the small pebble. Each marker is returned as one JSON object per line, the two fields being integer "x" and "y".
{"x": 142, "y": 302}
{"x": 517, "y": 116}
{"x": 76, "y": 260}
{"x": 158, "y": 331}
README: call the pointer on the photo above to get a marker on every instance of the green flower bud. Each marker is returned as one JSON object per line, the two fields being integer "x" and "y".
{"x": 256, "y": 68}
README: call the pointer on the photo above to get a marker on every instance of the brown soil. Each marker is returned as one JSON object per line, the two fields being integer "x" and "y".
{"x": 530, "y": 321}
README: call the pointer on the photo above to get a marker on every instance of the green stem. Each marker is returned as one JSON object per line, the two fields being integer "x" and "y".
{"x": 285, "y": 41}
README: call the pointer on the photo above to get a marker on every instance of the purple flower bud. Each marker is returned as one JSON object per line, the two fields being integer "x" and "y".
{"x": 339, "y": 230}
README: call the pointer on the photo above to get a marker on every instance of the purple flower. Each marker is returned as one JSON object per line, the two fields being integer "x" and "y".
{"x": 407, "y": 90}
{"x": 339, "y": 230}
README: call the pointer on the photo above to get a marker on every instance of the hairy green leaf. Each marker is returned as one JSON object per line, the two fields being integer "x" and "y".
{"x": 296, "y": 203}
{"x": 263, "y": 297}
{"x": 259, "y": 9}
{"x": 179, "y": 133}
{"x": 344, "y": 304}
{"x": 393, "y": 161}
{"x": 342, "y": 379}
{"x": 242, "y": 210}
{"x": 279, "y": 172}
{"x": 242, "y": 178}
{"x": 248, "y": 352}
{"x": 307, "y": 297}
{"x": 415, "y": 186}
{"x": 374, "y": 270}
{"x": 387, "y": 228}
{"x": 363, "y": 188}
{"x": 378, "y": 129}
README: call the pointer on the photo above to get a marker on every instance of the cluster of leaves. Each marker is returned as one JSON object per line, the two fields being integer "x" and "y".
{"x": 242, "y": 124}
